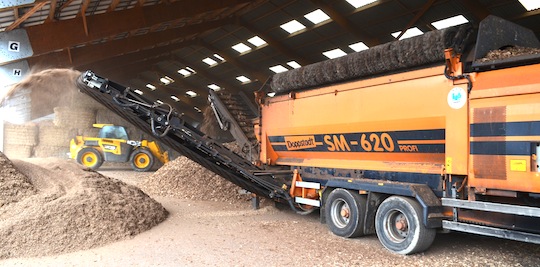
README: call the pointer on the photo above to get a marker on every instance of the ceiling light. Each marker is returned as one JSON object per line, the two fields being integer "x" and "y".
{"x": 190, "y": 69}
{"x": 359, "y": 47}
{"x": 184, "y": 72}
{"x": 138, "y": 91}
{"x": 360, "y": 3}
{"x": 293, "y": 26}
{"x": 159, "y": 101}
{"x": 241, "y": 48}
{"x": 214, "y": 87}
{"x": 271, "y": 94}
{"x": 151, "y": 87}
{"x": 334, "y": 53}
{"x": 219, "y": 57}
{"x": 294, "y": 64}
{"x": 278, "y": 69}
{"x": 243, "y": 79}
{"x": 209, "y": 61}
{"x": 256, "y": 41}
{"x": 409, "y": 33}
{"x": 317, "y": 16}
{"x": 197, "y": 109}
{"x": 191, "y": 93}
{"x": 449, "y": 22}
{"x": 530, "y": 4}
{"x": 175, "y": 98}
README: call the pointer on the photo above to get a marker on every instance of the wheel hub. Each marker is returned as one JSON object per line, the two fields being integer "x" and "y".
{"x": 345, "y": 213}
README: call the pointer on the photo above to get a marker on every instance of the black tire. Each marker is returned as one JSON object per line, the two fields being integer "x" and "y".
{"x": 399, "y": 226}
{"x": 90, "y": 157}
{"x": 141, "y": 160}
{"x": 344, "y": 211}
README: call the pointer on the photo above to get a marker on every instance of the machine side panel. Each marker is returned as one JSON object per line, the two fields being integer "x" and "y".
{"x": 397, "y": 123}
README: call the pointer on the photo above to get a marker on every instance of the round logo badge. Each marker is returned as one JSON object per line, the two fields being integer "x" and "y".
{"x": 457, "y": 97}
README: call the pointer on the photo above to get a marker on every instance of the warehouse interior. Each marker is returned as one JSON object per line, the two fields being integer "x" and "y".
{"x": 180, "y": 53}
{"x": 175, "y": 51}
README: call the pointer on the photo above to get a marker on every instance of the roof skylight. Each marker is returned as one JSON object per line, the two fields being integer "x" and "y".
{"x": 357, "y": 47}
{"x": 409, "y": 33}
{"x": 219, "y": 57}
{"x": 191, "y": 93}
{"x": 335, "y": 53}
{"x": 209, "y": 61}
{"x": 214, "y": 87}
{"x": 293, "y": 26}
{"x": 449, "y": 22}
{"x": 530, "y": 4}
{"x": 241, "y": 48}
{"x": 278, "y": 69}
{"x": 185, "y": 72}
{"x": 317, "y": 16}
{"x": 293, "y": 64}
{"x": 256, "y": 41}
{"x": 243, "y": 79}
{"x": 166, "y": 80}
{"x": 360, "y": 3}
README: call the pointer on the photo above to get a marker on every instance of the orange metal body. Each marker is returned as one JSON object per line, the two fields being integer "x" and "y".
{"x": 508, "y": 98}
{"x": 406, "y": 122}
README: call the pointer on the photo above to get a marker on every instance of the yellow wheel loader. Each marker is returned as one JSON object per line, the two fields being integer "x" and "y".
{"x": 114, "y": 145}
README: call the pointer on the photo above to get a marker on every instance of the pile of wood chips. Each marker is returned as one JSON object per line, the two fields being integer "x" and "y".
{"x": 509, "y": 52}
{"x": 51, "y": 206}
{"x": 185, "y": 179}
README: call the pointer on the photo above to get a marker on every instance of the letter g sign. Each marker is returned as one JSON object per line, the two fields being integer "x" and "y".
{"x": 14, "y": 46}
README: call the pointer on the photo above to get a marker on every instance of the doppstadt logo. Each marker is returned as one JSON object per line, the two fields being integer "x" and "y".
{"x": 300, "y": 142}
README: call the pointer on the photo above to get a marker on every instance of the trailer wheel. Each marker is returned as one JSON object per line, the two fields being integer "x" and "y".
{"x": 344, "y": 213}
{"x": 141, "y": 160}
{"x": 90, "y": 157}
{"x": 399, "y": 226}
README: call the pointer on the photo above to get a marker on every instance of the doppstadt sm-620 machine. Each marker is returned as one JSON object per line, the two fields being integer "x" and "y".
{"x": 401, "y": 140}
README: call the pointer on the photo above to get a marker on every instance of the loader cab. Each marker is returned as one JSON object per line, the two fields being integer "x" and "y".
{"x": 113, "y": 132}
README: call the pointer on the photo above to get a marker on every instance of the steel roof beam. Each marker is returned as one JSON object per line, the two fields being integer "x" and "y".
{"x": 276, "y": 44}
{"x": 69, "y": 32}
{"x": 344, "y": 23}
{"x": 94, "y": 53}
{"x": 118, "y": 62}
{"x": 251, "y": 71}
{"x": 418, "y": 15}
{"x": 476, "y": 9}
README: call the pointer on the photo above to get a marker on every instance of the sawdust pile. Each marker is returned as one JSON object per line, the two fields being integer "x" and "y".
{"x": 508, "y": 52}
{"x": 183, "y": 178}
{"x": 54, "y": 206}
{"x": 14, "y": 185}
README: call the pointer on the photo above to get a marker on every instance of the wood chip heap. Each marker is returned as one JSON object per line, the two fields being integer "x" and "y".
{"x": 54, "y": 206}
{"x": 185, "y": 179}
{"x": 509, "y": 52}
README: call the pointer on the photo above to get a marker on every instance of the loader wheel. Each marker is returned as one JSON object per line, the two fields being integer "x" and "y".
{"x": 344, "y": 212}
{"x": 141, "y": 160}
{"x": 90, "y": 157}
{"x": 399, "y": 226}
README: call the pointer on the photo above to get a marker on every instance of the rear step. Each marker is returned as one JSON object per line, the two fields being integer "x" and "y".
{"x": 167, "y": 126}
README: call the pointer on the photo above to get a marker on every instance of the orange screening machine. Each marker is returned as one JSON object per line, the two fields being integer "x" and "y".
{"x": 451, "y": 146}
{"x": 431, "y": 133}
